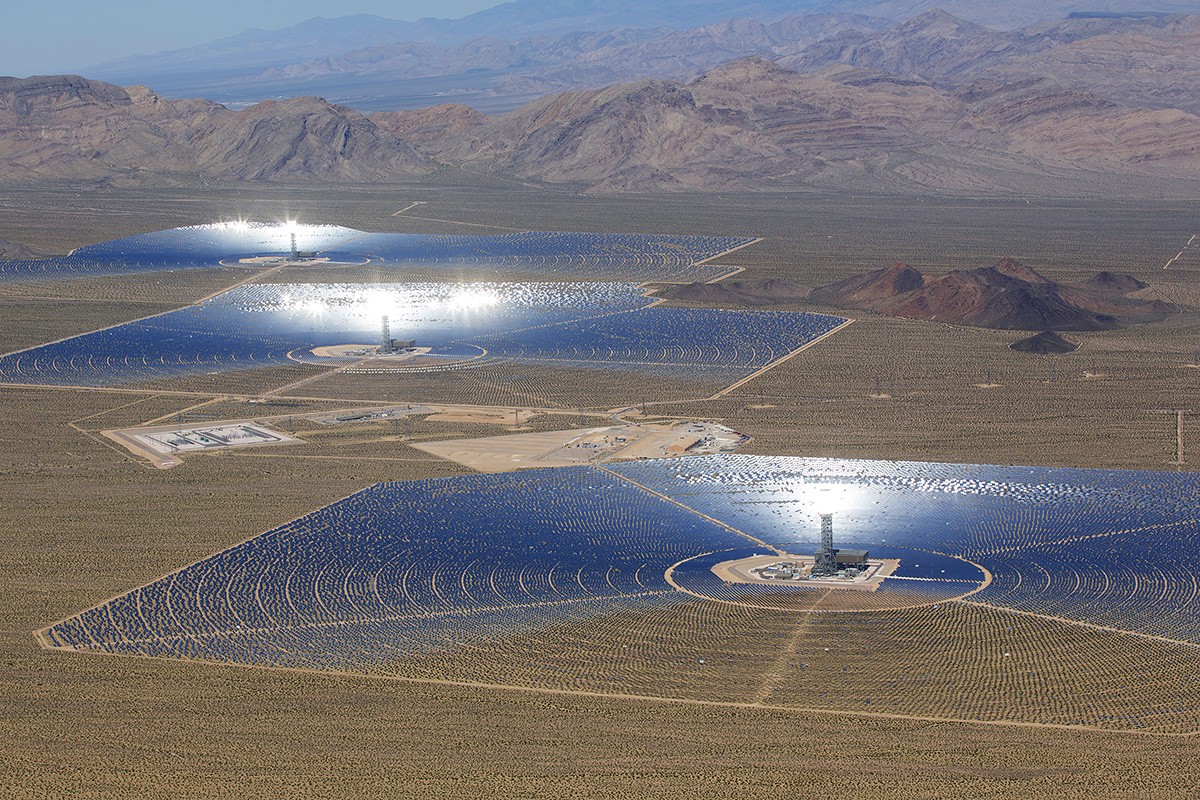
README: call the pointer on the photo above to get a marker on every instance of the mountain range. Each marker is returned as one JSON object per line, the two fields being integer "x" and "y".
{"x": 238, "y": 59}
{"x": 1153, "y": 60}
{"x": 935, "y": 104}
{"x": 501, "y": 57}
{"x": 752, "y": 125}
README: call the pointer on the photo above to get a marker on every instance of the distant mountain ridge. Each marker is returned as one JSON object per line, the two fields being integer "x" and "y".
{"x": 1152, "y": 60}
{"x": 541, "y": 65}
{"x": 750, "y": 125}
{"x": 497, "y": 58}
{"x": 936, "y": 104}
{"x": 321, "y": 37}
{"x": 1006, "y": 15}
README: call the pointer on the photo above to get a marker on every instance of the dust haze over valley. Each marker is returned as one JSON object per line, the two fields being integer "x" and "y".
{"x": 385, "y": 402}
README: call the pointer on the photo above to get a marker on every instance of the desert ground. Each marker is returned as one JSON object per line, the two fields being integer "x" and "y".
{"x": 81, "y": 518}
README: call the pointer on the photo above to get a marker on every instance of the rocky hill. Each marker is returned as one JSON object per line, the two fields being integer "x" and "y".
{"x": 433, "y": 124}
{"x": 752, "y": 125}
{"x": 1008, "y": 296}
{"x": 67, "y": 127}
{"x": 1108, "y": 283}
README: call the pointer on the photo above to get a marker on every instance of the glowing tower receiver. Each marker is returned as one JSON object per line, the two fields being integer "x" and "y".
{"x": 385, "y": 341}
{"x": 826, "y": 557}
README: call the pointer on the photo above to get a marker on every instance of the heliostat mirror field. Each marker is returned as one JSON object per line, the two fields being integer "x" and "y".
{"x": 594, "y": 325}
{"x": 548, "y": 255}
{"x": 1051, "y": 584}
{"x": 569, "y": 300}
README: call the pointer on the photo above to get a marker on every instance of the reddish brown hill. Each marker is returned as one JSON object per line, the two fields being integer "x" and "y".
{"x": 861, "y": 291}
{"x": 1012, "y": 268}
{"x": 990, "y": 298}
{"x": 1009, "y": 295}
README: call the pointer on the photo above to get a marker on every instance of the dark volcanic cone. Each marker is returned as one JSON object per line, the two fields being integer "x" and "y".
{"x": 1112, "y": 283}
{"x": 1046, "y": 343}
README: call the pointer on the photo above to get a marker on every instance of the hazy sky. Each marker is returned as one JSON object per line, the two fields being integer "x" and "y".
{"x": 53, "y": 36}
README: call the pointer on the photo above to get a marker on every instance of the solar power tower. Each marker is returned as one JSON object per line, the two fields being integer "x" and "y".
{"x": 826, "y": 557}
{"x": 388, "y": 345}
{"x": 385, "y": 341}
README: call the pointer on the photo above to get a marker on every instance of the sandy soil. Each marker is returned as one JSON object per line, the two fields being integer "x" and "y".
{"x": 580, "y": 445}
{"x": 485, "y": 417}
